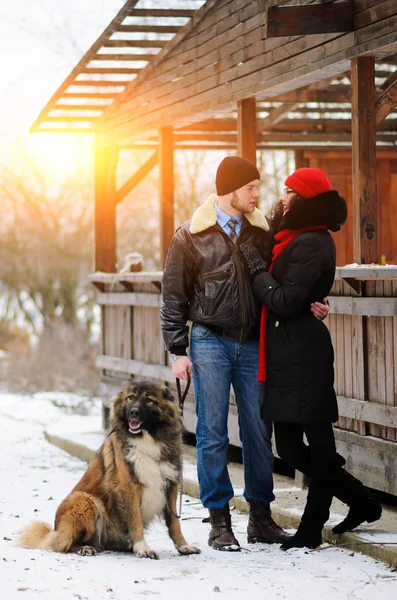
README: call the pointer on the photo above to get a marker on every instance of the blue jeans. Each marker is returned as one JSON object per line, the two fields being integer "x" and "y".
{"x": 218, "y": 364}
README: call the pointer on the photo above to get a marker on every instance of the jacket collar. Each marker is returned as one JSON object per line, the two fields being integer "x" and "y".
{"x": 327, "y": 209}
{"x": 205, "y": 217}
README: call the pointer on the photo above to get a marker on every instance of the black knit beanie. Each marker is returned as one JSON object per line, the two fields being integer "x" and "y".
{"x": 233, "y": 173}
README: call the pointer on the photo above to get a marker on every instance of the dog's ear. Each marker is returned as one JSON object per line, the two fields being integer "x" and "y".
{"x": 166, "y": 393}
{"x": 116, "y": 408}
{"x": 128, "y": 387}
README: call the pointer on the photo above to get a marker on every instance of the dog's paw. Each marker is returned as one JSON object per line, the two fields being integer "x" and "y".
{"x": 142, "y": 550}
{"x": 86, "y": 551}
{"x": 186, "y": 549}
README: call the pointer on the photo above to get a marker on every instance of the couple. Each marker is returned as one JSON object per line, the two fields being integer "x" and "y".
{"x": 253, "y": 290}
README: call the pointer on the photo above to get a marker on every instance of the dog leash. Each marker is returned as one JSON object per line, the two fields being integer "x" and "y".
{"x": 181, "y": 401}
{"x": 182, "y": 397}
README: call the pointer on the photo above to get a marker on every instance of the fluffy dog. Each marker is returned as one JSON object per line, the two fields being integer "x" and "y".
{"x": 132, "y": 479}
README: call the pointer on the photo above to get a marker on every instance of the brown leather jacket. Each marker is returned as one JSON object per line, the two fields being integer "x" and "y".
{"x": 205, "y": 280}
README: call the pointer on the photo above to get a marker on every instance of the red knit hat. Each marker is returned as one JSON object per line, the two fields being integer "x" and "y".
{"x": 308, "y": 182}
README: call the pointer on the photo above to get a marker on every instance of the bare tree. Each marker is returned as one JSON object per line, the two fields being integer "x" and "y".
{"x": 46, "y": 246}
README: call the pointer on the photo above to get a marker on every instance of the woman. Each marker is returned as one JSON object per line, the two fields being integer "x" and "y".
{"x": 297, "y": 361}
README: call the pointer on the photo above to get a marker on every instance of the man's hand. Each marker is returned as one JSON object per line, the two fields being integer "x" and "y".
{"x": 182, "y": 368}
{"x": 320, "y": 309}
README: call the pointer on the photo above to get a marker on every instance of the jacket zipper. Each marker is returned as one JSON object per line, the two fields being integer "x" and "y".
{"x": 241, "y": 288}
{"x": 240, "y": 284}
{"x": 209, "y": 275}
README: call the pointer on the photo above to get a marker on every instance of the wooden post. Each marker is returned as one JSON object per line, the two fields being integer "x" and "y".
{"x": 365, "y": 208}
{"x": 300, "y": 160}
{"x": 246, "y": 129}
{"x": 105, "y": 208}
{"x": 166, "y": 172}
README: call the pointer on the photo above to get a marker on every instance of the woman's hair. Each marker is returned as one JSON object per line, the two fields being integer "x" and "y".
{"x": 277, "y": 210}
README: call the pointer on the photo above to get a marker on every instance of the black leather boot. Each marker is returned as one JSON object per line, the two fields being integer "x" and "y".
{"x": 315, "y": 515}
{"x": 221, "y": 535}
{"x": 363, "y": 503}
{"x": 308, "y": 535}
{"x": 262, "y": 528}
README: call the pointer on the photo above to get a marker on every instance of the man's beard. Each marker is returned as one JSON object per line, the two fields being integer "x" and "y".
{"x": 236, "y": 203}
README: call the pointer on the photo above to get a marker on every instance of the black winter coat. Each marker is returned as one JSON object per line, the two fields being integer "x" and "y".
{"x": 299, "y": 353}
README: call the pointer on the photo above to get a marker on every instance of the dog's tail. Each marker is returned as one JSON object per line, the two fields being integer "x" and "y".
{"x": 39, "y": 535}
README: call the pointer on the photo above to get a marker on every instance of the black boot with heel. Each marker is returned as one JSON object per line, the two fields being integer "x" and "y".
{"x": 315, "y": 515}
{"x": 362, "y": 502}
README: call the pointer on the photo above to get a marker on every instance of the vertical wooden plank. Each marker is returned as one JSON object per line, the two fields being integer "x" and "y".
{"x": 246, "y": 129}
{"x": 361, "y": 369}
{"x": 381, "y": 357}
{"x": 372, "y": 357}
{"x": 300, "y": 160}
{"x": 365, "y": 209}
{"x": 386, "y": 216}
{"x": 131, "y": 332}
{"x": 347, "y": 365}
{"x": 105, "y": 163}
{"x": 166, "y": 173}
{"x": 389, "y": 360}
{"x": 126, "y": 332}
{"x": 340, "y": 355}
{"x": 394, "y": 292}
{"x": 333, "y": 330}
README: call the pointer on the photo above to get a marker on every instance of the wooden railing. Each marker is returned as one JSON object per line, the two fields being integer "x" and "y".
{"x": 363, "y": 327}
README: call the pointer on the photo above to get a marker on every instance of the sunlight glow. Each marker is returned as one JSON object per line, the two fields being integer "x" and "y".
{"x": 58, "y": 155}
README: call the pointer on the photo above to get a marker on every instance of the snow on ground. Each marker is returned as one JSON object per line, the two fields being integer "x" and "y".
{"x": 35, "y": 476}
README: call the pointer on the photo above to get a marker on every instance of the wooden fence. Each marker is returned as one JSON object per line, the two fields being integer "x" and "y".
{"x": 363, "y": 326}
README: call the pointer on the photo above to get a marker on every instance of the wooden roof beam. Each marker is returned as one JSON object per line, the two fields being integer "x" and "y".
{"x": 68, "y": 129}
{"x": 386, "y": 103}
{"x": 149, "y": 28}
{"x": 309, "y": 19}
{"x": 98, "y": 107}
{"x": 137, "y": 177}
{"x": 71, "y": 118}
{"x": 278, "y": 114}
{"x": 110, "y": 71}
{"x": 336, "y": 94}
{"x": 389, "y": 80}
{"x": 89, "y": 96}
{"x": 162, "y": 12}
{"x": 123, "y": 57}
{"x": 134, "y": 44}
{"x": 275, "y": 116}
{"x": 304, "y": 125}
{"x": 279, "y": 136}
{"x": 99, "y": 83}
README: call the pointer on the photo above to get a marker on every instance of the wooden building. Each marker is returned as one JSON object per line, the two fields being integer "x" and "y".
{"x": 319, "y": 78}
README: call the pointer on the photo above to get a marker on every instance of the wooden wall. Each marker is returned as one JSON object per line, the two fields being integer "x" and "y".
{"x": 338, "y": 166}
{"x": 363, "y": 327}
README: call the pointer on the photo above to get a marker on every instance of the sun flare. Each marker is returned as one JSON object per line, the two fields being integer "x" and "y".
{"x": 60, "y": 155}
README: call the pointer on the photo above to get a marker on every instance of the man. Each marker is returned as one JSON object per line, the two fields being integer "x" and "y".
{"x": 205, "y": 282}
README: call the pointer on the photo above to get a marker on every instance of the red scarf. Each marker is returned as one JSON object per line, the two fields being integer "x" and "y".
{"x": 283, "y": 237}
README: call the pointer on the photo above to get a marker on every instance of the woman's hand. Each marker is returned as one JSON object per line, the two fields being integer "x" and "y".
{"x": 320, "y": 309}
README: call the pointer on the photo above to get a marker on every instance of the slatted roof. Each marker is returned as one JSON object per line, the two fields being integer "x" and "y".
{"x": 131, "y": 41}
{"x": 145, "y": 32}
